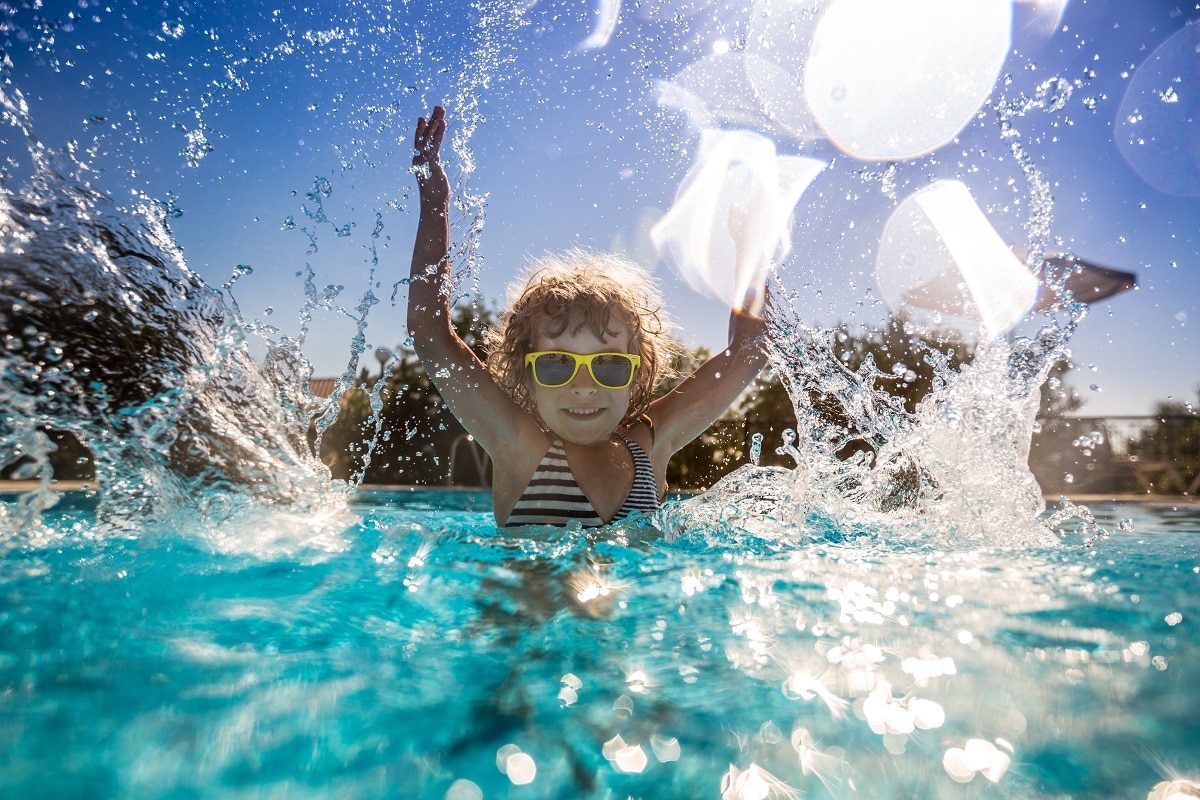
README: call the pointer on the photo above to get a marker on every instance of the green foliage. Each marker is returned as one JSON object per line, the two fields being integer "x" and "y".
{"x": 1175, "y": 435}
{"x": 411, "y": 439}
{"x": 1166, "y": 455}
{"x": 1058, "y": 399}
{"x": 904, "y": 361}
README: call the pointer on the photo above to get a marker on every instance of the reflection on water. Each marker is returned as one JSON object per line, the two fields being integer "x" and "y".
{"x": 438, "y": 657}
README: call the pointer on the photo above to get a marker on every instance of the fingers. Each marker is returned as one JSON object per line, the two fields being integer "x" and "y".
{"x": 429, "y": 134}
{"x": 437, "y": 125}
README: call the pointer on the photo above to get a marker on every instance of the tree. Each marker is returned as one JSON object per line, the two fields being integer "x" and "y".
{"x": 1058, "y": 399}
{"x": 396, "y": 429}
{"x": 902, "y": 365}
{"x": 1172, "y": 442}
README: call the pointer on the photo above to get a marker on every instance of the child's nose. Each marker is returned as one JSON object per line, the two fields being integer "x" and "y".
{"x": 583, "y": 381}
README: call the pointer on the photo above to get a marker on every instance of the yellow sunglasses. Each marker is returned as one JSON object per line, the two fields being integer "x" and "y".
{"x": 554, "y": 368}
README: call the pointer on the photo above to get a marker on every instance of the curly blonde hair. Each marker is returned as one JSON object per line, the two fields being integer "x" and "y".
{"x": 570, "y": 291}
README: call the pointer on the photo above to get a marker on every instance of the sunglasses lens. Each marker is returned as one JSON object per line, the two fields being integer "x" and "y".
{"x": 613, "y": 371}
{"x": 553, "y": 369}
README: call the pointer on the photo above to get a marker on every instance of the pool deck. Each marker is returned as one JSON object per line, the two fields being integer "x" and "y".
{"x": 17, "y": 487}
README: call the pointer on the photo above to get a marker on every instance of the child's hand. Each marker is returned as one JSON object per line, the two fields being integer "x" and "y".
{"x": 427, "y": 163}
{"x": 746, "y": 326}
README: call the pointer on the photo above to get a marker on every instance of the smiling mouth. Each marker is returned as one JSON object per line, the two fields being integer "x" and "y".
{"x": 583, "y": 413}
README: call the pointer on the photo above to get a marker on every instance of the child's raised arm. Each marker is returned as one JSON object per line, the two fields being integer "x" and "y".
{"x": 687, "y": 410}
{"x": 428, "y": 303}
{"x": 463, "y": 381}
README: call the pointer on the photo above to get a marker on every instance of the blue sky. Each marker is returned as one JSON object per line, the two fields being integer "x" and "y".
{"x": 245, "y": 115}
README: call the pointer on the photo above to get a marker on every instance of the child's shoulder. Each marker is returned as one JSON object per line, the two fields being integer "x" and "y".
{"x": 640, "y": 430}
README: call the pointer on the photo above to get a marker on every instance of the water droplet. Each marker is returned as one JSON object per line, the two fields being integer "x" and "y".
{"x": 756, "y": 449}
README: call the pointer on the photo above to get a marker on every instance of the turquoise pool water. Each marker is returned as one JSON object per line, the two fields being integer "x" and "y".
{"x": 418, "y": 652}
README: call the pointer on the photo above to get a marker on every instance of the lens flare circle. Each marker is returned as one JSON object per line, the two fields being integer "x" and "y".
{"x": 943, "y": 265}
{"x": 896, "y": 79}
{"x": 778, "y": 41}
{"x": 1156, "y": 127}
{"x": 731, "y": 218}
{"x": 715, "y": 92}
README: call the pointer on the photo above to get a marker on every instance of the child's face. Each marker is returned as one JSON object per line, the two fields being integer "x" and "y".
{"x": 582, "y": 412}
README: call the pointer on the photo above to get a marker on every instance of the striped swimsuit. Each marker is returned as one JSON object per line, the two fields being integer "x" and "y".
{"x": 554, "y": 498}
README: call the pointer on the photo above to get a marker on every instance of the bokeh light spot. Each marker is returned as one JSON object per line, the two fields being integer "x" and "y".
{"x": 665, "y": 749}
{"x": 631, "y": 759}
{"x": 731, "y": 217}
{"x": 895, "y": 79}
{"x": 463, "y": 790}
{"x": 520, "y": 768}
{"x": 977, "y": 756}
{"x": 1156, "y": 126}
{"x": 1176, "y": 789}
{"x": 503, "y": 754}
{"x": 942, "y": 263}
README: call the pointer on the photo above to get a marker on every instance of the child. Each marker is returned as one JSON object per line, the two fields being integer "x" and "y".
{"x": 563, "y": 405}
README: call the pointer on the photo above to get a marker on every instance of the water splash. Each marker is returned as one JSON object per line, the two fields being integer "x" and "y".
{"x": 908, "y": 465}
{"x": 111, "y": 337}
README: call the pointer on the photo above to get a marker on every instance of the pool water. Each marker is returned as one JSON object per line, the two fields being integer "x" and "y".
{"x": 413, "y": 650}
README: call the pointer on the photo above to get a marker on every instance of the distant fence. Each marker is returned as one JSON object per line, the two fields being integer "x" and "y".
{"x": 1120, "y": 455}
{"x": 1086, "y": 455}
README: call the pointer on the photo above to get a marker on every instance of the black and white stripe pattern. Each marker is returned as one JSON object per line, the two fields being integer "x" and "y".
{"x": 554, "y": 498}
{"x": 643, "y": 495}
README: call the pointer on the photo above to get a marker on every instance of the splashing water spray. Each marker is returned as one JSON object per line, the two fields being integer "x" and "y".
{"x": 957, "y": 465}
{"x": 111, "y": 337}
{"x": 149, "y": 367}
